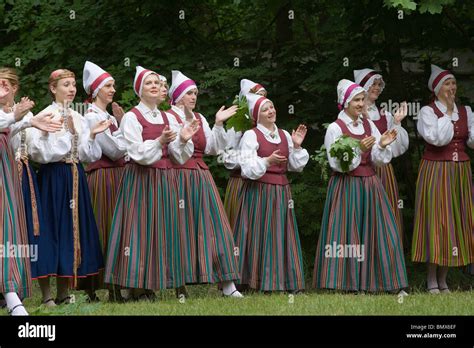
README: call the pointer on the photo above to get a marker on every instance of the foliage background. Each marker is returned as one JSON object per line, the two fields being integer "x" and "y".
{"x": 298, "y": 59}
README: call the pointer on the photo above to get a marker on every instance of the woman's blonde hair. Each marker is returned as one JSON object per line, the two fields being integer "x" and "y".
{"x": 11, "y": 75}
{"x": 57, "y": 75}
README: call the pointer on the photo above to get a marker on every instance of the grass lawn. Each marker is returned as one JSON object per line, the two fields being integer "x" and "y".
{"x": 207, "y": 300}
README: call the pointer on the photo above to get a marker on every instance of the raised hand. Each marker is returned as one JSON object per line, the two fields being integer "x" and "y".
{"x": 167, "y": 136}
{"x": 44, "y": 121}
{"x": 367, "y": 143}
{"x": 100, "y": 127}
{"x": 450, "y": 97}
{"x": 188, "y": 131}
{"x": 388, "y": 137}
{"x": 224, "y": 114}
{"x": 22, "y": 108}
{"x": 401, "y": 113}
{"x": 4, "y": 89}
{"x": 117, "y": 111}
{"x": 276, "y": 158}
{"x": 298, "y": 136}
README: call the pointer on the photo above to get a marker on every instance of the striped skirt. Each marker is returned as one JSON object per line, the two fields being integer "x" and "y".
{"x": 104, "y": 185}
{"x": 266, "y": 235}
{"x": 231, "y": 201}
{"x": 444, "y": 228}
{"x": 15, "y": 272}
{"x": 389, "y": 182}
{"x": 56, "y": 244}
{"x": 359, "y": 247}
{"x": 208, "y": 247}
{"x": 37, "y": 264}
{"x": 144, "y": 249}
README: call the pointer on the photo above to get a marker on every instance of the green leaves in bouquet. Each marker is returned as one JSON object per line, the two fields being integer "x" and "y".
{"x": 241, "y": 120}
{"x": 344, "y": 150}
{"x": 321, "y": 158}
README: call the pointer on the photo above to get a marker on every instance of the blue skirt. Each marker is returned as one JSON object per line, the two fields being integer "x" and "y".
{"x": 56, "y": 248}
{"x": 37, "y": 263}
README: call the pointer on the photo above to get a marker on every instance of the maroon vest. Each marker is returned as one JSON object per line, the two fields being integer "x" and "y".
{"x": 275, "y": 174}
{"x": 458, "y": 143}
{"x": 106, "y": 162}
{"x": 199, "y": 141}
{"x": 365, "y": 167}
{"x": 382, "y": 122}
{"x": 151, "y": 132}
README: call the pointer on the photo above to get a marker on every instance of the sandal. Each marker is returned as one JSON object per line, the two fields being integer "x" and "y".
{"x": 232, "y": 294}
{"x": 47, "y": 302}
{"x": 65, "y": 300}
{"x": 433, "y": 291}
{"x": 444, "y": 290}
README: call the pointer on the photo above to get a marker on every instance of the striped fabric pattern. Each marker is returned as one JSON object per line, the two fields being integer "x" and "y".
{"x": 15, "y": 273}
{"x": 144, "y": 243}
{"x": 104, "y": 185}
{"x": 208, "y": 245}
{"x": 389, "y": 182}
{"x": 266, "y": 234}
{"x": 443, "y": 229}
{"x": 357, "y": 212}
{"x": 231, "y": 200}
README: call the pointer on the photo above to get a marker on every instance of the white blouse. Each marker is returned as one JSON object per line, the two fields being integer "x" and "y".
{"x": 147, "y": 152}
{"x": 254, "y": 167}
{"x": 216, "y": 140}
{"x": 113, "y": 145}
{"x": 230, "y": 156}
{"x": 379, "y": 155}
{"x": 6, "y": 119}
{"x": 54, "y": 147}
{"x": 440, "y": 131}
{"x": 400, "y": 145}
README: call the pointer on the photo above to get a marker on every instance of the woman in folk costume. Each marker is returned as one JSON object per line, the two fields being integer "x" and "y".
{"x": 208, "y": 247}
{"x": 234, "y": 185}
{"x": 104, "y": 175}
{"x": 144, "y": 242}
{"x": 265, "y": 231}
{"x": 443, "y": 233}
{"x": 374, "y": 84}
{"x": 15, "y": 273}
{"x": 70, "y": 248}
{"x": 359, "y": 247}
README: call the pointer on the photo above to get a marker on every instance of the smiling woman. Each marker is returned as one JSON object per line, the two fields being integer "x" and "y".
{"x": 70, "y": 248}
{"x": 357, "y": 210}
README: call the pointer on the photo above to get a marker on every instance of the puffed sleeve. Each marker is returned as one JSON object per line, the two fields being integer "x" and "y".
{"x": 143, "y": 152}
{"x": 400, "y": 145}
{"x": 180, "y": 151}
{"x": 332, "y": 134}
{"x": 45, "y": 147}
{"x": 88, "y": 148}
{"x": 6, "y": 119}
{"x": 112, "y": 145}
{"x": 379, "y": 155}
{"x": 22, "y": 124}
{"x": 298, "y": 158}
{"x": 216, "y": 140}
{"x": 470, "y": 125}
{"x": 435, "y": 131}
{"x": 230, "y": 157}
{"x": 253, "y": 167}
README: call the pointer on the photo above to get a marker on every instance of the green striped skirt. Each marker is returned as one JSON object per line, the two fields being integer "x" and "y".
{"x": 208, "y": 250}
{"x": 144, "y": 244}
{"x": 444, "y": 229}
{"x": 359, "y": 247}
{"x": 266, "y": 234}
{"x": 231, "y": 200}
{"x": 389, "y": 182}
{"x": 15, "y": 272}
{"x": 104, "y": 185}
